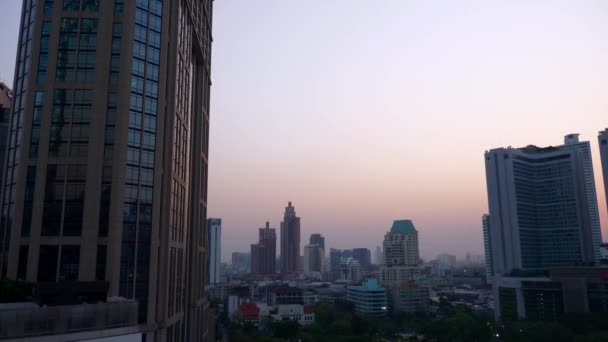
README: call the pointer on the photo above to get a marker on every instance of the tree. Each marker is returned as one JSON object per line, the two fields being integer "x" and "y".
{"x": 285, "y": 329}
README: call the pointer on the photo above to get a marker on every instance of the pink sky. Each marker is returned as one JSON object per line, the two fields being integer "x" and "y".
{"x": 363, "y": 112}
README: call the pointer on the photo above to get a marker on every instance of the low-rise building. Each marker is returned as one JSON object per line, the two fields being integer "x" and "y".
{"x": 409, "y": 298}
{"x": 369, "y": 298}
{"x": 302, "y": 314}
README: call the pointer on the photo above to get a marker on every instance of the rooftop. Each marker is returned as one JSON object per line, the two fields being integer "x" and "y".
{"x": 403, "y": 227}
{"x": 370, "y": 284}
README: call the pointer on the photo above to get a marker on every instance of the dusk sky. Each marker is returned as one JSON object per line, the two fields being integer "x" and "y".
{"x": 363, "y": 112}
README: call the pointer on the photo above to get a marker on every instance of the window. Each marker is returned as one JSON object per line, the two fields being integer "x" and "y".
{"x": 47, "y": 263}
{"x": 70, "y": 260}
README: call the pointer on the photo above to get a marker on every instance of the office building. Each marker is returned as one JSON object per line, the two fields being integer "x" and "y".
{"x": 347, "y": 253}
{"x": 378, "y": 256}
{"x": 368, "y": 298}
{"x": 241, "y": 262}
{"x": 290, "y": 242}
{"x": 540, "y": 207}
{"x": 485, "y": 222}
{"x": 6, "y": 100}
{"x": 538, "y": 297}
{"x": 401, "y": 254}
{"x": 363, "y": 256}
{"x": 214, "y": 245}
{"x": 317, "y": 239}
{"x": 571, "y": 141}
{"x": 335, "y": 260}
{"x": 107, "y": 155}
{"x": 350, "y": 270}
{"x": 409, "y": 298}
{"x": 263, "y": 254}
{"x": 313, "y": 261}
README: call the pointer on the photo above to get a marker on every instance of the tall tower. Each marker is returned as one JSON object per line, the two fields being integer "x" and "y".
{"x": 317, "y": 239}
{"x": 264, "y": 253}
{"x": 214, "y": 250}
{"x": 540, "y": 215}
{"x": 487, "y": 246}
{"x": 401, "y": 253}
{"x": 290, "y": 241}
{"x": 107, "y": 159}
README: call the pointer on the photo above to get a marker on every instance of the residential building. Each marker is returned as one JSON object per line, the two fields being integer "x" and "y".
{"x": 302, "y": 314}
{"x": 368, "y": 298}
{"x": 401, "y": 254}
{"x": 290, "y": 242}
{"x": 363, "y": 256}
{"x": 313, "y": 261}
{"x": 106, "y": 176}
{"x": 350, "y": 270}
{"x": 283, "y": 294}
{"x": 539, "y": 205}
{"x": 263, "y": 254}
{"x": 241, "y": 262}
{"x": 214, "y": 245}
{"x": 487, "y": 246}
{"x": 317, "y": 239}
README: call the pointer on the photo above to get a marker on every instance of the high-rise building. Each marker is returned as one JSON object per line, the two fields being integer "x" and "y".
{"x": 379, "y": 258}
{"x": 347, "y": 253}
{"x": 584, "y": 149}
{"x": 603, "y": 143}
{"x": 214, "y": 252}
{"x": 106, "y": 176}
{"x": 447, "y": 261}
{"x": 317, "y": 239}
{"x": 6, "y": 100}
{"x": 539, "y": 202}
{"x": 241, "y": 262}
{"x": 314, "y": 257}
{"x": 264, "y": 253}
{"x": 401, "y": 254}
{"x": 487, "y": 246}
{"x": 363, "y": 256}
{"x": 350, "y": 270}
{"x": 335, "y": 259}
{"x": 290, "y": 242}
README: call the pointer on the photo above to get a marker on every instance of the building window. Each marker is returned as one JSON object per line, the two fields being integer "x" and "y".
{"x": 70, "y": 260}
{"x": 47, "y": 263}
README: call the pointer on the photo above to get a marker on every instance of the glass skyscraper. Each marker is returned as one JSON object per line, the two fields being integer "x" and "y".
{"x": 106, "y": 175}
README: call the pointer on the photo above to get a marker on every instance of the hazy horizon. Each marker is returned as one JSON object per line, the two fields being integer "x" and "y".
{"x": 361, "y": 112}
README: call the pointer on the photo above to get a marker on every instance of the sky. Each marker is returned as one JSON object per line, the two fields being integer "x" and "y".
{"x": 363, "y": 112}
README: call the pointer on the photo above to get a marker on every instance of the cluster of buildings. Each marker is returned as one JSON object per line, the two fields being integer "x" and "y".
{"x": 103, "y": 153}
{"x": 542, "y": 238}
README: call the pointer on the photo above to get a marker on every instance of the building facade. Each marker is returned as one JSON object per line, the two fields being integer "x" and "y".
{"x": 363, "y": 256}
{"x": 313, "y": 261}
{"x": 264, "y": 253}
{"x": 368, "y": 298}
{"x": 409, "y": 298}
{"x": 401, "y": 254}
{"x": 539, "y": 206}
{"x": 6, "y": 100}
{"x": 106, "y": 176}
{"x": 350, "y": 270}
{"x": 241, "y": 262}
{"x": 335, "y": 260}
{"x": 487, "y": 246}
{"x": 290, "y": 242}
{"x": 214, "y": 250}
{"x": 317, "y": 239}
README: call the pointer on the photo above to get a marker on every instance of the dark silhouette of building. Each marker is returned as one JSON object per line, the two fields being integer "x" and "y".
{"x": 317, "y": 239}
{"x": 290, "y": 242}
{"x": 363, "y": 256}
{"x": 107, "y": 154}
{"x": 264, "y": 253}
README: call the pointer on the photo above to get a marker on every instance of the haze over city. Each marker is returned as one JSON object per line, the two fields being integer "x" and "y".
{"x": 364, "y": 112}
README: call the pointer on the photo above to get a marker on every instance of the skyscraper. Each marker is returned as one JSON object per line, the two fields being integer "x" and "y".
{"x": 290, "y": 242}
{"x": 107, "y": 156}
{"x": 487, "y": 246}
{"x": 335, "y": 260}
{"x": 6, "y": 99}
{"x": 539, "y": 204}
{"x": 603, "y": 143}
{"x": 378, "y": 256}
{"x": 264, "y": 253}
{"x": 214, "y": 250}
{"x": 317, "y": 239}
{"x": 401, "y": 254}
{"x": 363, "y": 256}
{"x": 313, "y": 261}
{"x": 584, "y": 148}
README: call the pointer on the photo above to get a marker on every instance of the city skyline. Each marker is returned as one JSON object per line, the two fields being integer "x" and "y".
{"x": 384, "y": 111}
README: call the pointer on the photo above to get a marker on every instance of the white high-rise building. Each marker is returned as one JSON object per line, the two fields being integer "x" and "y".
{"x": 401, "y": 254}
{"x": 542, "y": 207}
{"x": 314, "y": 258}
{"x": 214, "y": 243}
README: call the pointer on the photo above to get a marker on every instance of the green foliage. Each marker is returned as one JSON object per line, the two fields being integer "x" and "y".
{"x": 285, "y": 329}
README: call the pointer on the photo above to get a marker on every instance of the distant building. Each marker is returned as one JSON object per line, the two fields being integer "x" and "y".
{"x": 543, "y": 210}
{"x": 447, "y": 261}
{"x": 214, "y": 245}
{"x": 409, "y": 298}
{"x": 350, "y": 270}
{"x": 241, "y": 262}
{"x": 401, "y": 254}
{"x": 487, "y": 246}
{"x": 347, "y": 253}
{"x": 317, "y": 239}
{"x": 368, "y": 298}
{"x": 283, "y": 294}
{"x": 263, "y": 254}
{"x": 290, "y": 242}
{"x": 302, "y": 314}
{"x": 335, "y": 260}
{"x": 363, "y": 256}
{"x": 313, "y": 261}
{"x": 379, "y": 257}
